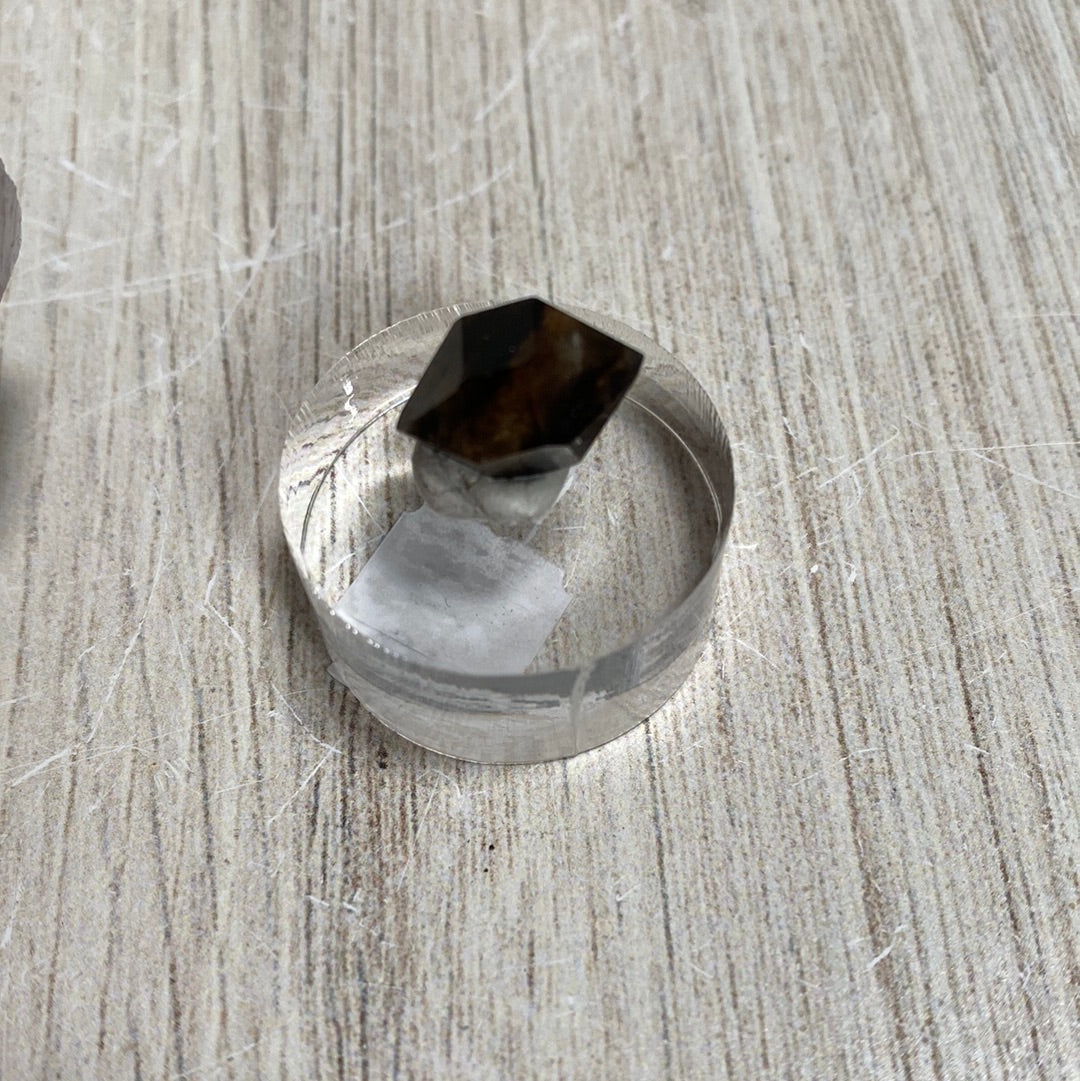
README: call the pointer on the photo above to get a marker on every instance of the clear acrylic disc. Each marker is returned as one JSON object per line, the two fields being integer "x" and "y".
{"x": 636, "y": 540}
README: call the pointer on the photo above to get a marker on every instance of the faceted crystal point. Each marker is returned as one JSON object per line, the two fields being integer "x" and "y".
{"x": 519, "y": 389}
{"x": 453, "y": 488}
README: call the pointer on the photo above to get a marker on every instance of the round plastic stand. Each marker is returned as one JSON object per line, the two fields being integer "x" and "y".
{"x": 502, "y": 646}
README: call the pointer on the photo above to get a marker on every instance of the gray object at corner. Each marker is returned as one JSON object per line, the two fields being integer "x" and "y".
{"x": 10, "y": 227}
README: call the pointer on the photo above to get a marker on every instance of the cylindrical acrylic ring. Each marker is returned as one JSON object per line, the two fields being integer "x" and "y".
{"x": 637, "y": 537}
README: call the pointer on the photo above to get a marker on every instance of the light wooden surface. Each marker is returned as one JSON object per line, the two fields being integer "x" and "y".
{"x": 850, "y": 846}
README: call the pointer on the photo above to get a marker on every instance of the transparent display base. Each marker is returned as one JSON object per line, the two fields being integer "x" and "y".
{"x": 497, "y": 643}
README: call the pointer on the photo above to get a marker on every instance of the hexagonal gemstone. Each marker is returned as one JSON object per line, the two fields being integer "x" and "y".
{"x": 520, "y": 388}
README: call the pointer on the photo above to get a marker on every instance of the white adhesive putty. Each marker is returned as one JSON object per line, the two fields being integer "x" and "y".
{"x": 448, "y": 592}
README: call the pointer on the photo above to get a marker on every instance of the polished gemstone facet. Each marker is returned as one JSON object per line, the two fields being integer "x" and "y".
{"x": 518, "y": 389}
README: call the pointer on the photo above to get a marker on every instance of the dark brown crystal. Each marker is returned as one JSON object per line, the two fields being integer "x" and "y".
{"x": 521, "y": 388}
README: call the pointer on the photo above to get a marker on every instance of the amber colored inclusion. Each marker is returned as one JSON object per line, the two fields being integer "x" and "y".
{"x": 521, "y": 388}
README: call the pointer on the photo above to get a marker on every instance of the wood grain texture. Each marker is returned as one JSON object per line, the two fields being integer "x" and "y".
{"x": 850, "y": 846}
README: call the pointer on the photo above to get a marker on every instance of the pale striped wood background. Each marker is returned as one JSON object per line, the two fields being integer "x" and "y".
{"x": 849, "y": 847}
